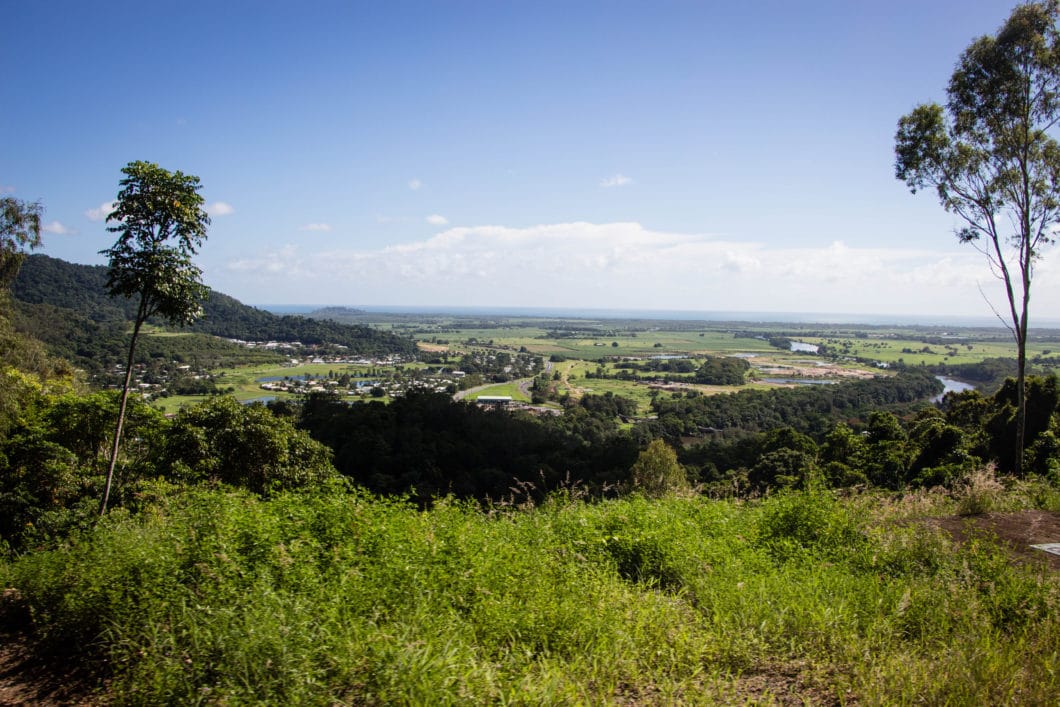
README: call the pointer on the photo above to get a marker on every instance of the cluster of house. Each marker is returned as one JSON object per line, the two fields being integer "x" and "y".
{"x": 393, "y": 387}
{"x": 153, "y": 382}
{"x": 339, "y": 358}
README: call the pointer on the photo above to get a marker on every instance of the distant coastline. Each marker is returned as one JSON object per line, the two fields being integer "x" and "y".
{"x": 678, "y": 315}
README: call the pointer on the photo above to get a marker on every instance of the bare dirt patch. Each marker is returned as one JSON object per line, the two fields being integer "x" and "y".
{"x": 1018, "y": 531}
{"x": 30, "y": 677}
{"x": 816, "y": 371}
{"x": 788, "y": 684}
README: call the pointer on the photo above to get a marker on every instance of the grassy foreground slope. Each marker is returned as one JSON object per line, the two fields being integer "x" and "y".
{"x": 341, "y": 598}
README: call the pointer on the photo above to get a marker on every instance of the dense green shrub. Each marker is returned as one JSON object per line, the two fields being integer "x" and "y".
{"x": 656, "y": 472}
{"x": 226, "y": 597}
{"x": 243, "y": 445}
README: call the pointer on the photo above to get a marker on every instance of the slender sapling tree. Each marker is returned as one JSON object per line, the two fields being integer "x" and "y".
{"x": 161, "y": 222}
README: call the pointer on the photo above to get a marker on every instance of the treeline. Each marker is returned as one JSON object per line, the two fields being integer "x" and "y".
{"x": 81, "y": 289}
{"x": 713, "y": 370}
{"x": 990, "y": 372}
{"x": 53, "y": 450}
{"x": 810, "y": 409}
{"x": 428, "y": 445}
{"x": 931, "y": 446}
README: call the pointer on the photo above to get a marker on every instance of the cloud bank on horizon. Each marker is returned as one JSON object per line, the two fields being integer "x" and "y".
{"x": 627, "y": 265}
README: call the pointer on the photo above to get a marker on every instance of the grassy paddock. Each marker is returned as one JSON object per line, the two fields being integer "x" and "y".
{"x": 337, "y": 599}
{"x": 501, "y": 389}
{"x": 245, "y": 381}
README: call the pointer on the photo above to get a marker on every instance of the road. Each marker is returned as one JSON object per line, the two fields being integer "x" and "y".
{"x": 523, "y": 383}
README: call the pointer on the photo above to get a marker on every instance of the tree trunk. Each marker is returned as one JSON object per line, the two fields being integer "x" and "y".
{"x": 1021, "y": 405}
{"x": 121, "y": 410}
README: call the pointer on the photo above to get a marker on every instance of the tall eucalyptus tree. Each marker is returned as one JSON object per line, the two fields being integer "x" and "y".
{"x": 992, "y": 160}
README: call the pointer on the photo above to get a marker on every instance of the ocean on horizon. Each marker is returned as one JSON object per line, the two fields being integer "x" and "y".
{"x": 675, "y": 315}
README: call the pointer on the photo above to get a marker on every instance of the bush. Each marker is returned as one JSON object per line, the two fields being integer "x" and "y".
{"x": 978, "y": 493}
{"x": 793, "y": 522}
{"x": 656, "y": 472}
{"x": 243, "y": 445}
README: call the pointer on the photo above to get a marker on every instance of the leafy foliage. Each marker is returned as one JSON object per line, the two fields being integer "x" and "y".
{"x": 161, "y": 222}
{"x": 242, "y": 445}
{"x": 19, "y": 232}
{"x": 429, "y": 445}
{"x": 52, "y": 459}
{"x": 657, "y": 472}
{"x": 808, "y": 409}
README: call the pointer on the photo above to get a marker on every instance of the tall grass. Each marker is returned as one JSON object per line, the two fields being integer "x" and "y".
{"x": 214, "y": 597}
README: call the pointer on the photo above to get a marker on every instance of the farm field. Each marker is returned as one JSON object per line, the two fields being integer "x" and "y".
{"x": 581, "y": 347}
{"x": 511, "y": 390}
{"x": 916, "y": 352}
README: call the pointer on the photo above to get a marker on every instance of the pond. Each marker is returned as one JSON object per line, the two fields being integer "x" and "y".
{"x": 951, "y": 385}
{"x": 262, "y": 399}
{"x": 804, "y": 347}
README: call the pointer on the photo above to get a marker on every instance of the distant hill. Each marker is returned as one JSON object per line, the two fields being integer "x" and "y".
{"x": 70, "y": 300}
{"x": 338, "y": 314}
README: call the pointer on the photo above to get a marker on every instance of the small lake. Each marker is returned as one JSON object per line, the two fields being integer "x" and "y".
{"x": 951, "y": 385}
{"x": 309, "y": 376}
{"x": 262, "y": 399}
{"x": 799, "y": 381}
{"x": 804, "y": 347}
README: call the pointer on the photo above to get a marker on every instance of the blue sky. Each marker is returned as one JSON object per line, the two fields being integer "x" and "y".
{"x": 657, "y": 155}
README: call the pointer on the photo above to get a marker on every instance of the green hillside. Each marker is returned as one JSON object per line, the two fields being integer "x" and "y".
{"x": 66, "y": 305}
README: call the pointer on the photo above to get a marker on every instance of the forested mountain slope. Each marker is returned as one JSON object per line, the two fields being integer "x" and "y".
{"x": 79, "y": 293}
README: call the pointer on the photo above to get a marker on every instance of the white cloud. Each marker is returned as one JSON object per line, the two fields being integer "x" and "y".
{"x": 219, "y": 208}
{"x": 101, "y": 212}
{"x": 58, "y": 229}
{"x": 282, "y": 261}
{"x": 738, "y": 262}
{"x": 615, "y": 180}
{"x": 6, "y": 189}
{"x": 437, "y": 220}
{"x": 323, "y": 227}
{"x": 626, "y": 265}
{"x": 415, "y": 184}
